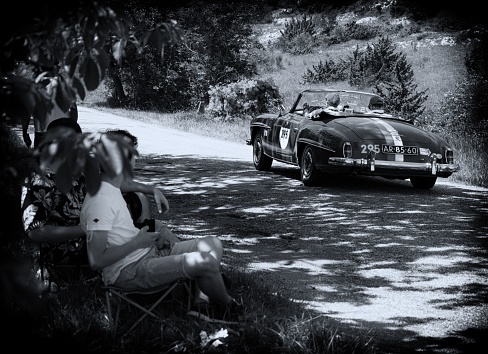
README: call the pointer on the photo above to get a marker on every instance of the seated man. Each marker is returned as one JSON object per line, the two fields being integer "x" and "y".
{"x": 132, "y": 258}
{"x": 52, "y": 218}
{"x": 333, "y": 100}
{"x": 376, "y": 105}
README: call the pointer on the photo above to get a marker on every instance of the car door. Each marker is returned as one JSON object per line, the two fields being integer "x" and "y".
{"x": 284, "y": 137}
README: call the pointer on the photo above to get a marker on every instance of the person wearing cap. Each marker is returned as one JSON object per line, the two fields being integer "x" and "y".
{"x": 376, "y": 105}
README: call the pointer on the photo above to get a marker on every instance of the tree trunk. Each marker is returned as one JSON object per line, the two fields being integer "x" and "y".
{"x": 118, "y": 93}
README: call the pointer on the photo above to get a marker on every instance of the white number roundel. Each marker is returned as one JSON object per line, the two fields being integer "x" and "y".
{"x": 284, "y": 136}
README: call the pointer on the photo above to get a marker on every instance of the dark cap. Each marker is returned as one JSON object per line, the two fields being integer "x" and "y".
{"x": 65, "y": 122}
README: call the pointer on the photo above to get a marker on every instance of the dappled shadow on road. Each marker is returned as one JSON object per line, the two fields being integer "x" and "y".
{"x": 371, "y": 252}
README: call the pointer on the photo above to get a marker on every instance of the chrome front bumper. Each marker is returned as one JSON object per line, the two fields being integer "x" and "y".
{"x": 370, "y": 165}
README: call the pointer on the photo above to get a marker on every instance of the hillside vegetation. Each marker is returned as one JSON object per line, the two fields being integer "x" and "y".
{"x": 290, "y": 49}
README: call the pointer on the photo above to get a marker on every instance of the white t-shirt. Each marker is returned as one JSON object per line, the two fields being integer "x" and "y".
{"x": 107, "y": 211}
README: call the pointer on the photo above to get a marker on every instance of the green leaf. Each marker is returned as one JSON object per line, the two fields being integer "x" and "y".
{"x": 118, "y": 51}
{"x": 103, "y": 61}
{"x": 103, "y": 160}
{"x": 79, "y": 88}
{"x": 63, "y": 95}
{"x": 92, "y": 75}
{"x": 114, "y": 152}
{"x": 81, "y": 156}
{"x": 71, "y": 60}
{"x": 64, "y": 176}
{"x": 92, "y": 175}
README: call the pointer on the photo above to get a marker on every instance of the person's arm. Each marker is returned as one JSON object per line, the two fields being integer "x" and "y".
{"x": 25, "y": 134}
{"x": 101, "y": 256}
{"x": 166, "y": 238}
{"x": 50, "y": 233}
{"x": 129, "y": 185}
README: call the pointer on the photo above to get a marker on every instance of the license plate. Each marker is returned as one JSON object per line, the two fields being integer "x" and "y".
{"x": 404, "y": 150}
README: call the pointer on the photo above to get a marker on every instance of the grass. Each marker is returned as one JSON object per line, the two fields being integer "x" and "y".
{"x": 75, "y": 315}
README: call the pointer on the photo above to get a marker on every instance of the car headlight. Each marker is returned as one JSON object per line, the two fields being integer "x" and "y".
{"x": 347, "y": 149}
{"x": 449, "y": 156}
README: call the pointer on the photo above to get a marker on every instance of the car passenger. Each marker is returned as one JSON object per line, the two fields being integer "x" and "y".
{"x": 333, "y": 100}
{"x": 376, "y": 105}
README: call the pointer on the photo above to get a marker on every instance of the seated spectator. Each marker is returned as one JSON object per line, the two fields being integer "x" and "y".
{"x": 132, "y": 258}
{"x": 52, "y": 218}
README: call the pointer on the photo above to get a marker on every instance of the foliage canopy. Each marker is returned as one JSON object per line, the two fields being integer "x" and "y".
{"x": 72, "y": 46}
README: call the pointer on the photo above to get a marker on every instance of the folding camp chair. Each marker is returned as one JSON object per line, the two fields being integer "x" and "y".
{"x": 65, "y": 263}
{"x": 144, "y": 300}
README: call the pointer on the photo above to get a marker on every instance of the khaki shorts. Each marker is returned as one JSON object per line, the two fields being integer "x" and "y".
{"x": 157, "y": 267}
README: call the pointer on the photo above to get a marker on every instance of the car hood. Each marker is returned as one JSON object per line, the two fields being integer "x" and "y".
{"x": 369, "y": 128}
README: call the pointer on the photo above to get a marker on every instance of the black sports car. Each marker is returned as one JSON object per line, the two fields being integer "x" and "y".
{"x": 347, "y": 132}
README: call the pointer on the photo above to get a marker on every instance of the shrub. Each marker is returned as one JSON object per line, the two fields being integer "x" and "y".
{"x": 379, "y": 66}
{"x": 299, "y": 36}
{"x": 326, "y": 72}
{"x": 352, "y": 31}
{"x": 453, "y": 119}
{"x": 243, "y": 98}
{"x": 374, "y": 64}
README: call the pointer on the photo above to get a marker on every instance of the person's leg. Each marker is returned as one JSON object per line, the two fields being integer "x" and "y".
{"x": 216, "y": 250}
{"x": 202, "y": 262}
{"x": 206, "y": 270}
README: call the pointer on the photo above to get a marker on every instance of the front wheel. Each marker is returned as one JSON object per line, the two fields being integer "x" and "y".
{"x": 310, "y": 175}
{"x": 262, "y": 162}
{"x": 423, "y": 182}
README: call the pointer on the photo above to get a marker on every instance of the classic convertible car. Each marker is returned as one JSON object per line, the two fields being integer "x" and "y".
{"x": 347, "y": 132}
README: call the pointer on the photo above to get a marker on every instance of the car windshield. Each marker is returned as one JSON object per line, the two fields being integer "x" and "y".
{"x": 344, "y": 101}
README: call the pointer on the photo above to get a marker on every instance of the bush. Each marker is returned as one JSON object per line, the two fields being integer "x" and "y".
{"x": 352, "y": 31}
{"x": 244, "y": 98}
{"x": 299, "y": 36}
{"x": 454, "y": 120}
{"x": 379, "y": 66}
{"x": 327, "y": 72}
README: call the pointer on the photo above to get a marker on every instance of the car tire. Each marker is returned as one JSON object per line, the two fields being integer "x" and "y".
{"x": 423, "y": 182}
{"x": 262, "y": 162}
{"x": 309, "y": 173}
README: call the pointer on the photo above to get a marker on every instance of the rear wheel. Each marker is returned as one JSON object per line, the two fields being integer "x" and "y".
{"x": 261, "y": 161}
{"x": 423, "y": 182}
{"x": 310, "y": 175}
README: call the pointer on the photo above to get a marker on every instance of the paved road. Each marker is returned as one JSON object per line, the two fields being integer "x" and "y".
{"x": 154, "y": 139}
{"x": 409, "y": 265}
